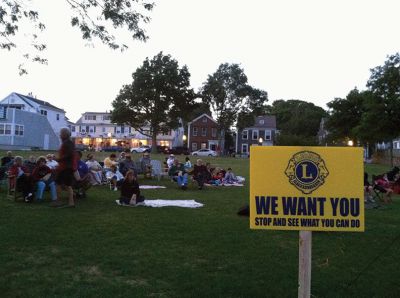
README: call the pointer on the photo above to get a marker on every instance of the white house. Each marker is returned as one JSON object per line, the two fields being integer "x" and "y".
{"x": 95, "y": 129}
{"x": 54, "y": 115}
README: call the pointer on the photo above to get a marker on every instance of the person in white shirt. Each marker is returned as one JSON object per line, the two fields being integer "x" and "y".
{"x": 115, "y": 177}
{"x": 170, "y": 160}
{"x": 51, "y": 162}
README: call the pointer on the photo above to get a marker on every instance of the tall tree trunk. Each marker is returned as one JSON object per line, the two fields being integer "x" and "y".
{"x": 154, "y": 142}
{"x": 391, "y": 153}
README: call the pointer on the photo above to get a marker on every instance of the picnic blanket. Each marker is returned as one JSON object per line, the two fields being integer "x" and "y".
{"x": 166, "y": 203}
{"x": 151, "y": 186}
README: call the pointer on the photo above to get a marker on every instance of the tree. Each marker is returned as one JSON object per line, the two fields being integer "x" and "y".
{"x": 91, "y": 17}
{"x": 158, "y": 97}
{"x": 228, "y": 94}
{"x": 297, "y": 121}
{"x": 382, "y": 116}
{"x": 345, "y": 115}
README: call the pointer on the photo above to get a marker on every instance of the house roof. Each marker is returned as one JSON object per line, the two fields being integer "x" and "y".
{"x": 201, "y": 116}
{"x": 266, "y": 121}
{"x": 26, "y": 99}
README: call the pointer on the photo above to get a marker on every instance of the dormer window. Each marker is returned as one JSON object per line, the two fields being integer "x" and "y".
{"x": 43, "y": 112}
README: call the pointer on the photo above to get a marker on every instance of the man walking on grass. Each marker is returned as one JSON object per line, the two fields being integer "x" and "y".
{"x": 66, "y": 168}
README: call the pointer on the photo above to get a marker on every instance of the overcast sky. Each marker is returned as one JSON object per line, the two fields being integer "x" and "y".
{"x": 311, "y": 50}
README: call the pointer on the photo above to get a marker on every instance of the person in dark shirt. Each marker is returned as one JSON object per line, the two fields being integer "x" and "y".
{"x": 178, "y": 173}
{"x": 6, "y": 161}
{"x": 200, "y": 173}
{"x": 130, "y": 192}
{"x": 42, "y": 177}
{"x": 67, "y": 165}
{"x": 82, "y": 177}
{"x": 22, "y": 178}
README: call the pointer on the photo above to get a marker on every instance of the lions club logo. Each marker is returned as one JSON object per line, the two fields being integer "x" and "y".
{"x": 306, "y": 170}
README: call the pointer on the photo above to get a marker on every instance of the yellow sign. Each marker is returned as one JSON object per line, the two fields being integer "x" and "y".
{"x": 306, "y": 188}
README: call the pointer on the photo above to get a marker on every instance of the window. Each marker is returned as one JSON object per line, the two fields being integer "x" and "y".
{"x": 106, "y": 117}
{"x": 73, "y": 128}
{"x": 3, "y": 112}
{"x": 245, "y": 148}
{"x": 7, "y": 130}
{"x": 58, "y": 116}
{"x": 194, "y": 131}
{"x": 204, "y": 131}
{"x": 396, "y": 145}
{"x": 90, "y": 117}
{"x": 104, "y": 129}
{"x": 261, "y": 121}
{"x": 255, "y": 135}
{"x": 43, "y": 112}
{"x": 19, "y": 130}
{"x": 268, "y": 135}
{"x": 245, "y": 135}
{"x": 203, "y": 145}
{"x": 194, "y": 146}
{"x": 214, "y": 132}
{"x": 204, "y": 120}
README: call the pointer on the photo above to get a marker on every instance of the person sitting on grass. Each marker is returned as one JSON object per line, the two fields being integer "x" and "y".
{"x": 126, "y": 165}
{"x": 368, "y": 189}
{"x": 230, "y": 177}
{"x": 145, "y": 163}
{"x": 23, "y": 178}
{"x": 200, "y": 173}
{"x": 178, "y": 173}
{"x": 188, "y": 164}
{"x": 130, "y": 192}
{"x": 95, "y": 170}
{"x": 382, "y": 184}
{"x": 217, "y": 176}
{"x": 82, "y": 177}
{"x": 115, "y": 177}
{"x": 7, "y": 161}
{"x": 30, "y": 163}
{"x": 51, "y": 162}
{"x": 42, "y": 177}
{"x": 110, "y": 161}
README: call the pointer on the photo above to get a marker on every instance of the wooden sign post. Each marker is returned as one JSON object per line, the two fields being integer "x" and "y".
{"x": 306, "y": 189}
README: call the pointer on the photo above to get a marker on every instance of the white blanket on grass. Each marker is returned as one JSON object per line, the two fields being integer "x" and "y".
{"x": 225, "y": 184}
{"x": 165, "y": 203}
{"x": 151, "y": 186}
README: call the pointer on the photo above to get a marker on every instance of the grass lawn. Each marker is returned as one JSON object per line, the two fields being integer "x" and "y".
{"x": 100, "y": 249}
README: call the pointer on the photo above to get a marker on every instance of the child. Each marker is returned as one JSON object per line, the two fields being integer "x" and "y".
{"x": 188, "y": 164}
{"x": 130, "y": 192}
{"x": 115, "y": 177}
{"x": 230, "y": 177}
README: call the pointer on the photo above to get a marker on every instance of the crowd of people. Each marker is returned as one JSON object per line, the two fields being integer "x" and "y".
{"x": 69, "y": 172}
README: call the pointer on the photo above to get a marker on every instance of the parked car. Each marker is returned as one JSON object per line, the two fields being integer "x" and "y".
{"x": 177, "y": 151}
{"x": 141, "y": 149}
{"x": 112, "y": 149}
{"x": 204, "y": 152}
{"x": 81, "y": 147}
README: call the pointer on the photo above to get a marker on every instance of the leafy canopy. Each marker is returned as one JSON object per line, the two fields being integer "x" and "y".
{"x": 228, "y": 94}
{"x": 297, "y": 121}
{"x": 158, "y": 97}
{"x": 94, "y": 18}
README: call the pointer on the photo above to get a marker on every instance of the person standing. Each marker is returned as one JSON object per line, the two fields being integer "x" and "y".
{"x": 66, "y": 167}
